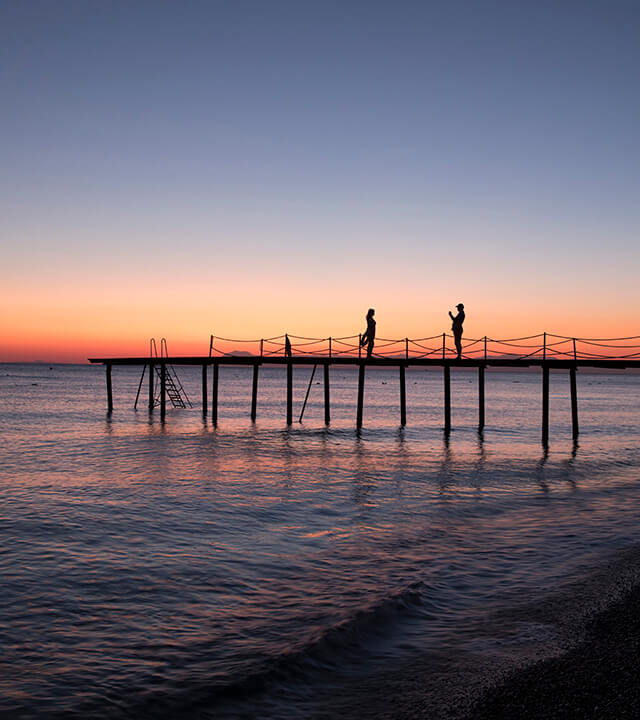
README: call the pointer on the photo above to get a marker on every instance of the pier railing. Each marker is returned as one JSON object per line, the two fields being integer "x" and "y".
{"x": 542, "y": 346}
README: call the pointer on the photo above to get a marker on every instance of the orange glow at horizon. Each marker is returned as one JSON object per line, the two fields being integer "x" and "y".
{"x": 67, "y": 333}
{"x": 68, "y": 315}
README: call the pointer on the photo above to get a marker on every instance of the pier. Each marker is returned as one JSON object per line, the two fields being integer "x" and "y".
{"x": 545, "y": 351}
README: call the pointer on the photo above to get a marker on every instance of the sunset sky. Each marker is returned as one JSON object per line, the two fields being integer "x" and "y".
{"x": 243, "y": 168}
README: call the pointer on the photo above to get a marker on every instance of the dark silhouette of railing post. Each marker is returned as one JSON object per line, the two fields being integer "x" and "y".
{"x": 109, "y": 389}
{"x": 329, "y": 347}
{"x": 545, "y": 404}
{"x": 403, "y": 397}
{"x": 204, "y": 389}
{"x": 544, "y": 346}
{"x": 447, "y": 398}
{"x": 485, "y": 347}
{"x": 261, "y": 347}
{"x": 481, "y": 397}
{"x": 574, "y": 401}
{"x": 214, "y": 394}
{"x": 406, "y": 348}
{"x": 443, "y": 346}
{"x": 289, "y": 391}
{"x": 359, "y": 345}
{"x": 575, "y": 355}
{"x": 360, "y": 395}
{"x": 254, "y": 393}
{"x": 327, "y": 408}
{"x": 163, "y": 390}
{"x": 152, "y": 370}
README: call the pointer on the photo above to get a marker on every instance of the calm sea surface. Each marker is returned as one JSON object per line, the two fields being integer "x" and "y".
{"x": 174, "y": 569}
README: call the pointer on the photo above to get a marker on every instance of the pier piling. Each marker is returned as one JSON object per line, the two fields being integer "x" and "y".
{"x": 109, "y": 390}
{"x": 574, "y": 401}
{"x": 403, "y": 396}
{"x": 254, "y": 393}
{"x": 545, "y": 404}
{"x": 204, "y": 389}
{"x": 289, "y": 392}
{"x": 163, "y": 390}
{"x": 447, "y": 398}
{"x": 327, "y": 405}
{"x": 360, "y": 395}
{"x": 214, "y": 394}
{"x": 480, "y": 397}
{"x": 152, "y": 370}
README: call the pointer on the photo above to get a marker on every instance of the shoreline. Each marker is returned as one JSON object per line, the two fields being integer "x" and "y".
{"x": 597, "y": 678}
{"x": 584, "y": 667}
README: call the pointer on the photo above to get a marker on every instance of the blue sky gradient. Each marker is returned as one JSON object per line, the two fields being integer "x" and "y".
{"x": 386, "y": 145}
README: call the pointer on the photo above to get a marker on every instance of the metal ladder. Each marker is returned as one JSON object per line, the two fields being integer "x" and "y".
{"x": 176, "y": 392}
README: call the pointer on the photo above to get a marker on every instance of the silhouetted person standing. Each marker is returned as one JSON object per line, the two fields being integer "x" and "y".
{"x": 370, "y": 333}
{"x": 457, "y": 327}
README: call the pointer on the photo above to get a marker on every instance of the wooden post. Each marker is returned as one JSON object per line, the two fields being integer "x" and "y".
{"x": 214, "y": 394}
{"x": 254, "y": 393}
{"x": 485, "y": 347}
{"x": 327, "y": 407}
{"x": 574, "y": 401}
{"x": 360, "y": 395}
{"x": 480, "y": 397}
{"x": 443, "y": 346}
{"x": 406, "y": 348}
{"x": 329, "y": 347}
{"x": 152, "y": 371}
{"x": 359, "y": 345}
{"x": 163, "y": 390}
{"x": 447, "y": 398}
{"x": 289, "y": 392}
{"x": 204, "y": 389}
{"x": 109, "y": 390}
{"x": 545, "y": 404}
{"x": 403, "y": 397}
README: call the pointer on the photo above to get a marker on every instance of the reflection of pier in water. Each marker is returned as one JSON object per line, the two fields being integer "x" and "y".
{"x": 553, "y": 352}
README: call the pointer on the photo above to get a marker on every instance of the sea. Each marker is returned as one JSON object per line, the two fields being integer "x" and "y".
{"x": 177, "y": 569}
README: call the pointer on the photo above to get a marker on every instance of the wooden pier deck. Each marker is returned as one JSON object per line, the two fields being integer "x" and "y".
{"x": 570, "y": 360}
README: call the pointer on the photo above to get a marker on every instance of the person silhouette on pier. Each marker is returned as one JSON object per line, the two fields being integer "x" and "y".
{"x": 370, "y": 333}
{"x": 457, "y": 327}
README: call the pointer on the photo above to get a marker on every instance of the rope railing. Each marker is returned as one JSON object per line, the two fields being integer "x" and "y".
{"x": 548, "y": 346}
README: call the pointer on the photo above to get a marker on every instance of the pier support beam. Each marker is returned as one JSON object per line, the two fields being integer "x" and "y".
{"x": 403, "y": 397}
{"x": 481, "y": 397}
{"x": 545, "y": 404}
{"x": 214, "y": 394}
{"x": 152, "y": 371}
{"x": 447, "y": 398}
{"x": 204, "y": 389}
{"x": 360, "y": 395}
{"x": 109, "y": 390}
{"x": 327, "y": 405}
{"x": 574, "y": 401}
{"x": 289, "y": 392}
{"x": 254, "y": 393}
{"x": 163, "y": 390}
